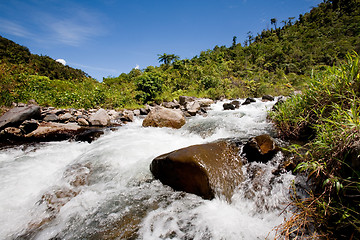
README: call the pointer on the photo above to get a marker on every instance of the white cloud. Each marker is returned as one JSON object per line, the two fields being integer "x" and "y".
{"x": 137, "y": 66}
{"x": 62, "y": 61}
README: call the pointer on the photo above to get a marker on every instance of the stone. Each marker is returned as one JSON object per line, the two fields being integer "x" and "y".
{"x": 205, "y": 102}
{"x": 15, "y": 116}
{"x": 248, "y": 101}
{"x": 193, "y": 107}
{"x": 65, "y": 117}
{"x": 171, "y": 105}
{"x": 185, "y": 99}
{"x": 236, "y": 103}
{"x": 267, "y": 98}
{"x": 136, "y": 112}
{"x": 100, "y": 118}
{"x": 164, "y": 117}
{"x": 260, "y": 148}
{"x": 228, "y": 106}
{"x": 113, "y": 114}
{"x": 29, "y": 125}
{"x": 127, "y": 116}
{"x": 206, "y": 170}
{"x": 89, "y": 135}
{"x": 143, "y": 111}
{"x": 83, "y": 122}
{"x": 50, "y": 131}
{"x": 12, "y": 131}
{"x": 51, "y": 118}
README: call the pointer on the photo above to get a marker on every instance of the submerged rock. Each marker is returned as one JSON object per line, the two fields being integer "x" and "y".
{"x": 164, "y": 117}
{"x": 261, "y": 148}
{"x": 205, "y": 170}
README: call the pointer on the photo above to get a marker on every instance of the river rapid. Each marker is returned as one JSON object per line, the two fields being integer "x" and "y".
{"x": 105, "y": 190}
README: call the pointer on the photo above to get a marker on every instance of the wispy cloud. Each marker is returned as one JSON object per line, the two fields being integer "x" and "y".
{"x": 68, "y": 24}
{"x": 13, "y": 28}
{"x": 75, "y": 28}
{"x": 94, "y": 68}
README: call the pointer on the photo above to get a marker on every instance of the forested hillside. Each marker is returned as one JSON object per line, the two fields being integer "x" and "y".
{"x": 275, "y": 61}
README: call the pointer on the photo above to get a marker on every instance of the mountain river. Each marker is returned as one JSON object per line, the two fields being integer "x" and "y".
{"x": 105, "y": 190}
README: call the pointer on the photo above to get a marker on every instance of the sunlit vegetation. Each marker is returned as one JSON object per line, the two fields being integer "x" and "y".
{"x": 276, "y": 61}
{"x": 328, "y": 111}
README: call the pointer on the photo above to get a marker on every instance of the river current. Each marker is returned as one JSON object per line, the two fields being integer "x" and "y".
{"x": 105, "y": 190}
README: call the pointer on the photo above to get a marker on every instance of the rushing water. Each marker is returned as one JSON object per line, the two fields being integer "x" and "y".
{"x": 105, "y": 190}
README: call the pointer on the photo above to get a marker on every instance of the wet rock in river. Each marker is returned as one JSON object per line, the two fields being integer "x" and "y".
{"x": 261, "y": 148}
{"x": 248, "y": 101}
{"x": 228, "y": 106}
{"x": 164, "y": 117}
{"x": 205, "y": 170}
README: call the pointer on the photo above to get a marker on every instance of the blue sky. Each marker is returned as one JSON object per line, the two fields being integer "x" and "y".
{"x": 108, "y": 37}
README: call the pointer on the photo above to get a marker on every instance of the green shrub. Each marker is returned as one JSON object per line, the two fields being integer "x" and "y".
{"x": 330, "y": 106}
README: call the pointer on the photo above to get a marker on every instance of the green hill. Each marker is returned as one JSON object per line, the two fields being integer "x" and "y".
{"x": 276, "y": 61}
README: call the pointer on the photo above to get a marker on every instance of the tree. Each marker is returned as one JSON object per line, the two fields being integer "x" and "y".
{"x": 234, "y": 41}
{"x": 273, "y": 22}
{"x": 167, "y": 58}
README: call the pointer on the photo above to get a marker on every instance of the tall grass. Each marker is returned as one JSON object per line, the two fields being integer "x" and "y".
{"x": 327, "y": 115}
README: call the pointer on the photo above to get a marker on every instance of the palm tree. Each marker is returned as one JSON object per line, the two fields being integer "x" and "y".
{"x": 273, "y": 22}
{"x": 167, "y": 58}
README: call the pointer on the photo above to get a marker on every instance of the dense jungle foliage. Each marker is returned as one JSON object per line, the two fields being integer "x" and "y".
{"x": 276, "y": 61}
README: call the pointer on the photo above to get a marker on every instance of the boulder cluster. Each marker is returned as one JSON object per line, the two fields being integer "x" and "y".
{"x": 235, "y": 104}
{"x": 32, "y": 123}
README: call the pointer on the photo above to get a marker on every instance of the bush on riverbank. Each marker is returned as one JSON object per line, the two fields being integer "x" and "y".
{"x": 327, "y": 113}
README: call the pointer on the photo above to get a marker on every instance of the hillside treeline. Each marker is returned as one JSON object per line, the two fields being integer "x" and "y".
{"x": 276, "y": 61}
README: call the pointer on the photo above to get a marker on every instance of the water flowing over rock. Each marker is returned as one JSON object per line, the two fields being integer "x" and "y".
{"x": 228, "y": 106}
{"x": 105, "y": 190}
{"x": 15, "y": 116}
{"x": 205, "y": 170}
{"x": 248, "y": 101}
{"x": 261, "y": 148}
{"x": 164, "y": 117}
{"x": 100, "y": 118}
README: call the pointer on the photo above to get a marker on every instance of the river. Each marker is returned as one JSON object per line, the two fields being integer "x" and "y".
{"x": 116, "y": 196}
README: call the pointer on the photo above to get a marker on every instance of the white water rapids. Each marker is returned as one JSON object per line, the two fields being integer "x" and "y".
{"x": 121, "y": 194}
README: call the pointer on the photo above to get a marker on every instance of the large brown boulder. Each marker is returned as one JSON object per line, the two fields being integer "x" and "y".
{"x": 260, "y": 148}
{"x": 164, "y": 117}
{"x": 205, "y": 170}
{"x": 15, "y": 116}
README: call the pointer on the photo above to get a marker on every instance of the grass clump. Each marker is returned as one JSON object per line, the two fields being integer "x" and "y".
{"x": 327, "y": 115}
